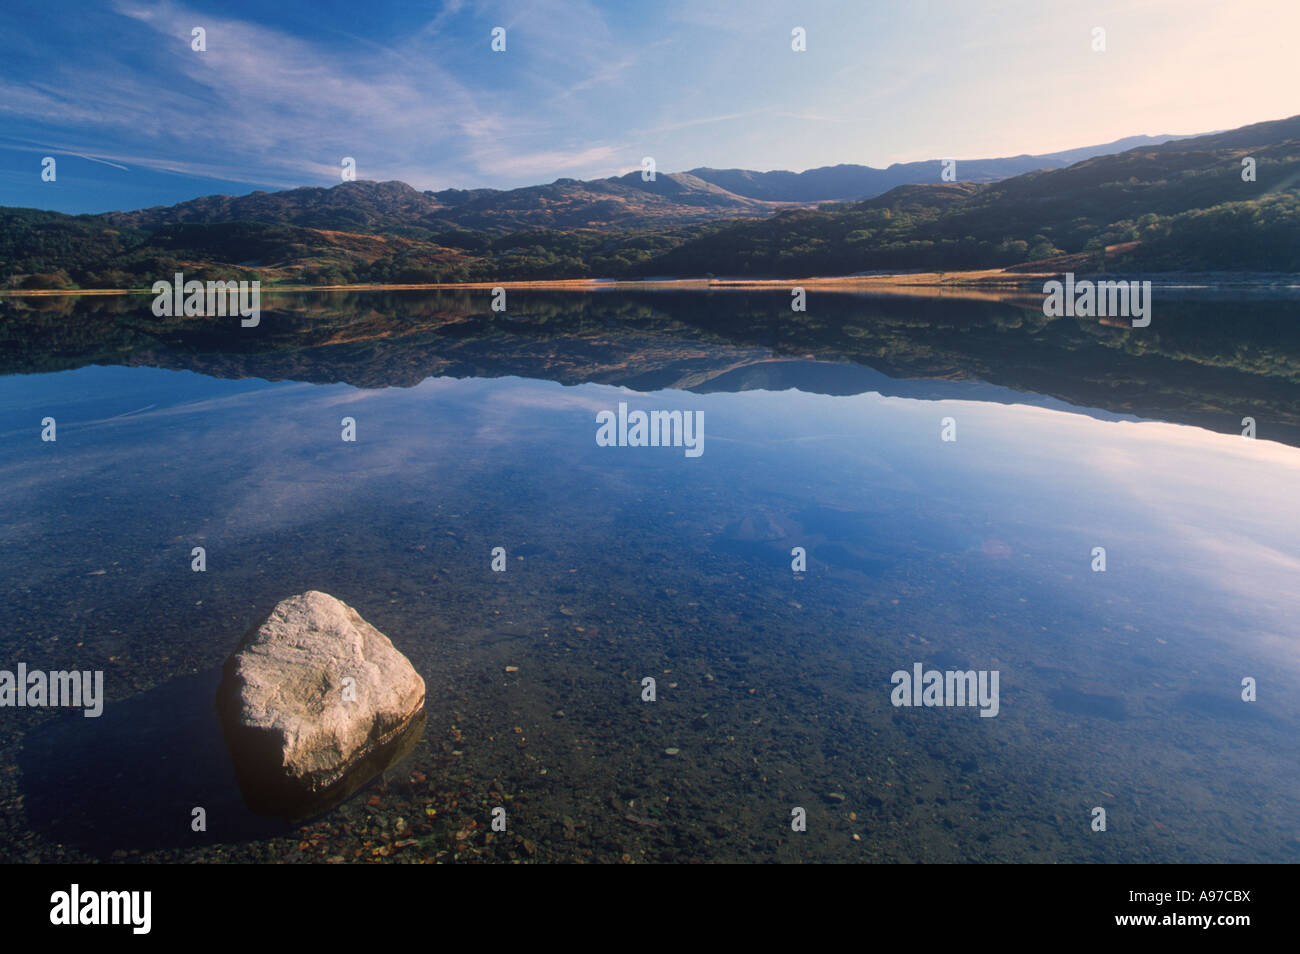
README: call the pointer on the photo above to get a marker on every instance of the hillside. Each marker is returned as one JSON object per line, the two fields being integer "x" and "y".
{"x": 398, "y": 209}
{"x": 848, "y": 182}
{"x": 1179, "y": 205}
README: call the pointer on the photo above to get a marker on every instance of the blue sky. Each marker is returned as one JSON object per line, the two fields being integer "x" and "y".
{"x": 413, "y": 91}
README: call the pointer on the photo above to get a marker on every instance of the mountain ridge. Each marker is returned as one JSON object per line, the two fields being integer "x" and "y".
{"x": 1182, "y": 205}
{"x": 626, "y": 201}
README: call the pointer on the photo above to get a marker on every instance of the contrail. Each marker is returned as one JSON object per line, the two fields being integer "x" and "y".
{"x": 104, "y": 161}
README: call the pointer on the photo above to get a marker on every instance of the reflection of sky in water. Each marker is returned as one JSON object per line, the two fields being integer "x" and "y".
{"x": 1199, "y": 528}
{"x": 968, "y": 554}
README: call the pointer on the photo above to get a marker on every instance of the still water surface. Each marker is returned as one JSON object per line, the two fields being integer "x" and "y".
{"x": 1119, "y": 689}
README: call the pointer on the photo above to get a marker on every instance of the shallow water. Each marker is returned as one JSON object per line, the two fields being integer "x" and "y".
{"x": 1118, "y": 689}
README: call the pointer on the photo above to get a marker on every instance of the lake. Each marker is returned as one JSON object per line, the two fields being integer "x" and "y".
{"x": 963, "y": 484}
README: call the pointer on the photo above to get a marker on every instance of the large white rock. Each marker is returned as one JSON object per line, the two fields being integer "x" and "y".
{"x": 314, "y": 703}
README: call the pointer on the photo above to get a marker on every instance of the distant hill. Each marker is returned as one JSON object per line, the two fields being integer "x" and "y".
{"x": 1180, "y": 205}
{"x": 397, "y": 208}
{"x": 626, "y": 202}
{"x": 848, "y": 182}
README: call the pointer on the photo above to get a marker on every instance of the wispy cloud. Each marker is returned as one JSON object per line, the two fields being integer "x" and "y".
{"x": 264, "y": 105}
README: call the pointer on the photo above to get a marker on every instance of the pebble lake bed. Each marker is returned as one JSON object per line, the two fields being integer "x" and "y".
{"x": 1119, "y": 688}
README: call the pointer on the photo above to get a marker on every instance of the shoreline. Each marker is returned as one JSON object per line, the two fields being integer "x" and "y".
{"x": 999, "y": 282}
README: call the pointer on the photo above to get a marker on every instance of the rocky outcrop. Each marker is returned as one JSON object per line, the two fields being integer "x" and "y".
{"x": 314, "y": 703}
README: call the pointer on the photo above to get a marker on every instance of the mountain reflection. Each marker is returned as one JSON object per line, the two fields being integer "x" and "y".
{"x": 1207, "y": 362}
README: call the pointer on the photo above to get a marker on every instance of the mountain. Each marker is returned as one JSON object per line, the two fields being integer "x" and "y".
{"x": 849, "y": 182}
{"x": 1179, "y": 205}
{"x": 625, "y": 202}
{"x": 622, "y": 202}
{"x": 397, "y": 208}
